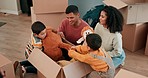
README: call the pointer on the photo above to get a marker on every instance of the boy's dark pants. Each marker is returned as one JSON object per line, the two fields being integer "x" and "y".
{"x": 65, "y": 54}
{"x": 28, "y": 66}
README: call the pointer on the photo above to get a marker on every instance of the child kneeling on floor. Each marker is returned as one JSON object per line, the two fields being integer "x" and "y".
{"x": 47, "y": 40}
{"x": 94, "y": 55}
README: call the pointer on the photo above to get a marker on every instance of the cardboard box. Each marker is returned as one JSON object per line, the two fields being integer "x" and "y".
{"x": 49, "y": 19}
{"x": 133, "y": 1}
{"x": 7, "y": 66}
{"x": 134, "y": 36}
{"x": 49, "y": 6}
{"x": 134, "y": 10}
{"x": 50, "y": 69}
{"x": 128, "y": 74}
{"x": 146, "y": 48}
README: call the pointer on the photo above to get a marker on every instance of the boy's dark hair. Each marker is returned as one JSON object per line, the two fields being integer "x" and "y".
{"x": 114, "y": 19}
{"x": 37, "y": 27}
{"x": 94, "y": 41}
{"x": 72, "y": 9}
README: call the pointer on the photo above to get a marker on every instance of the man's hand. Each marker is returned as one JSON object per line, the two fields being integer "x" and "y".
{"x": 61, "y": 34}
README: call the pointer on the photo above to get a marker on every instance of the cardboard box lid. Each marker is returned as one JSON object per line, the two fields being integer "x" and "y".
{"x": 44, "y": 64}
{"x": 4, "y": 60}
{"x": 76, "y": 70}
{"x": 51, "y": 69}
{"x": 127, "y": 74}
{"x": 116, "y": 3}
{"x": 142, "y": 12}
{"x": 49, "y": 6}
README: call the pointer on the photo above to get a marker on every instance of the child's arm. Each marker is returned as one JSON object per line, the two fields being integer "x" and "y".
{"x": 83, "y": 49}
{"x": 96, "y": 64}
{"x": 76, "y": 55}
{"x": 65, "y": 46}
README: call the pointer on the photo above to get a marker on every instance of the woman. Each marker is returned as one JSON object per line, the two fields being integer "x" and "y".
{"x": 109, "y": 28}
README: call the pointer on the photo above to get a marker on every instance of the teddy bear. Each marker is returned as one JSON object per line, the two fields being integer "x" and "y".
{"x": 52, "y": 45}
{"x": 84, "y": 32}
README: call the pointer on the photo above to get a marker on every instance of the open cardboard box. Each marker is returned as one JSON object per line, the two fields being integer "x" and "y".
{"x": 134, "y": 11}
{"x": 50, "y": 69}
{"x": 7, "y": 66}
{"x": 128, "y": 74}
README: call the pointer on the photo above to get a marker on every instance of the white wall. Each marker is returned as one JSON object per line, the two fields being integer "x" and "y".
{"x": 85, "y": 5}
{"x": 10, "y": 6}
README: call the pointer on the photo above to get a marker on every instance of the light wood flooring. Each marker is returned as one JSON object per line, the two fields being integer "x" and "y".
{"x": 15, "y": 34}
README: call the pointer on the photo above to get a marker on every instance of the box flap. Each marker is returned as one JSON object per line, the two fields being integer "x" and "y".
{"x": 116, "y": 3}
{"x": 76, "y": 70}
{"x": 136, "y": 13}
{"x": 142, "y": 12}
{"x": 44, "y": 64}
{"x": 127, "y": 74}
{"x": 132, "y": 14}
{"x": 4, "y": 61}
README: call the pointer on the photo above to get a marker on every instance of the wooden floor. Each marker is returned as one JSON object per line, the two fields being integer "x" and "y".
{"x": 15, "y": 34}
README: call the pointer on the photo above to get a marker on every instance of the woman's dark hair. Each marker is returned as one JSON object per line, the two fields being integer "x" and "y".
{"x": 37, "y": 27}
{"x": 94, "y": 41}
{"x": 72, "y": 9}
{"x": 114, "y": 19}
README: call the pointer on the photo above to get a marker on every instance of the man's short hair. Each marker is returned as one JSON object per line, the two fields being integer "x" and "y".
{"x": 72, "y": 9}
{"x": 37, "y": 27}
{"x": 94, "y": 41}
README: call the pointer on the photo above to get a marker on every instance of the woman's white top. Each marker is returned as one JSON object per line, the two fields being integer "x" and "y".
{"x": 111, "y": 42}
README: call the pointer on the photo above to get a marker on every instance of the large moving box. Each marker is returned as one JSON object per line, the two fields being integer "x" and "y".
{"x": 134, "y": 36}
{"x": 134, "y": 11}
{"x": 49, "y": 19}
{"x": 49, "y": 69}
{"x": 7, "y": 66}
{"x": 49, "y": 6}
{"x": 50, "y": 12}
{"x": 128, "y": 74}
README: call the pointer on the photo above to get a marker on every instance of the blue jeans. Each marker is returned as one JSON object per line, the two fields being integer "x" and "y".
{"x": 119, "y": 60}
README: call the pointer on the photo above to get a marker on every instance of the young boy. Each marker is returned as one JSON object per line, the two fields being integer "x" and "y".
{"x": 95, "y": 56}
{"x": 44, "y": 39}
{"x": 38, "y": 33}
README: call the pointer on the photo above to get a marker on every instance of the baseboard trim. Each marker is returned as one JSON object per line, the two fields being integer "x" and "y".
{"x": 11, "y": 12}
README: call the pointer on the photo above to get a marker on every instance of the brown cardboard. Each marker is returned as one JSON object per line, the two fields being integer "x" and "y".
{"x": 128, "y": 74}
{"x": 49, "y": 6}
{"x": 7, "y": 66}
{"x": 135, "y": 10}
{"x": 134, "y": 36}
{"x": 49, "y": 19}
{"x": 133, "y": 1}
{"x": 50, "y": 69}
{"x": 146, "y": 48}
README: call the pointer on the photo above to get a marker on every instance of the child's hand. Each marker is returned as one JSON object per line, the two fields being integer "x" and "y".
{"x": 61, "y": 34}
{"x": 73, "y": 48}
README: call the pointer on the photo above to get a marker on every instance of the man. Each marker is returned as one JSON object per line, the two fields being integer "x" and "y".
{"x": 71, "y": 27}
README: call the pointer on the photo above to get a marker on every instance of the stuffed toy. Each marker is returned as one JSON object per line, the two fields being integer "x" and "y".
{"x": 85, "y": 31}
{"x": 52, "y": 45}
